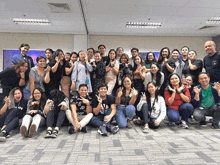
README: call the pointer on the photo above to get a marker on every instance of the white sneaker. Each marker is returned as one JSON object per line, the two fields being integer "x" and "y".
{"x": 146, "y": 129}
{"x": 184, "y": 125}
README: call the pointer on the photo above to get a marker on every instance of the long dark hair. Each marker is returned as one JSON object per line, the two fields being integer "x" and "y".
{"x": 43, "y": 98}
{"x": 11, "y": 97}
{"x": 58, "y": 96}
{"x": 124, "y": 89}
{"x": 135, "y": 65}
{"x": 158, "y": 76}
{"x": 22, "y": 62}
{"x": 160, "y": 59}
{"x": 108, "y": 60}
{"x": 180, "y": 83}
{"x": 147, "y": 93}
{"x": 147, "y": 61}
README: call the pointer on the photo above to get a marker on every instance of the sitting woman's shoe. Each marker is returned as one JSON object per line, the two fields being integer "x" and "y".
{"x": 146, "y": 128}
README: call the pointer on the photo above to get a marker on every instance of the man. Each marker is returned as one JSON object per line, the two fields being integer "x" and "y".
{"x": 134, "y": 53}
{"x": 184, "y": 52}
{"x": 102, "y": 49}
{"x": 81, "y": 110}
{"x": 212, "y": 61}
{"x": 179, "y": 63}
{"x": 104, "y": 109}
{"x": 119, "y": 52}
{"x": 205, "y": 97}
{"x": 90, "y": 54}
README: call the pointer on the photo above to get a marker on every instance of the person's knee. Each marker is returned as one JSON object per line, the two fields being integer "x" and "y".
{"x": 198, "y": 115}
{"x": 130, "y": 109}
{"x": 189, "y": 107}
{"x": 173, "y": 116}
{"x": 122, "y": 124}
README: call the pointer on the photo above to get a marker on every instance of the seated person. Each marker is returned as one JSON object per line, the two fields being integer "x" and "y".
{"x": 55, "y": 111}
{"x": 81, "y": 107}
{"x": 104, "y": 109}
{"x": 205, "y": 97}
{"x": 14, "y": 108}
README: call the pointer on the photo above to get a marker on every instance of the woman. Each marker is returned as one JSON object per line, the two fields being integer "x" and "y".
{"x": 139, "y": 73}
{"x": 98, "y": 73}
{"x": 124, "y": 69}
{"x": 152, "y": 107}
{"x": 167, "y": 65}
{"x": 155, "y": 76}
{"x": 112, "y": 69}
{"x": 125, "y": 100}
{"x": 14, "y": 76}
{"x": 34, "y": 116}
{"x": 178, "y": 99}
{"x": 14, "y": 108}
{"x": 57, "y": 65}
{"x": 149, "y": 60}
{"x": 24, "y": 48}
{"x": 48, "y": 54}
{"x": 37, "y": 76}
{"x": 81, "y": 73}
{"x": 194, "y": 66}
{"x": 66, "y": 80}
{"x": 55, "y": 112}
{"x": 190, "y": 82}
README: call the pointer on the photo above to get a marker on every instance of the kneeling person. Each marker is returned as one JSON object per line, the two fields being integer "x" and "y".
{"x": 81, "y": 110}
{"x": 205, "y": 97}
{"x": 104, "y": 109}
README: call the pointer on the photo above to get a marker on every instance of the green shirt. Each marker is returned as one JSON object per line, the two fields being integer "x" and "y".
{"x": 147, "y": 65}
{"x": 207, "y": 97}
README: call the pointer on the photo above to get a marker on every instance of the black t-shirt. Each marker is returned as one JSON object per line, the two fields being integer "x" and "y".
{"x": 81, "y": 107}
{"x": 105, "y": 59}
{"x": 164, "y": 69}
{"x": 212, "y": 66}
{"x": 56, "y": 76}
{"x": 106, "y": 104}
{"x": 67, "y": 65}
{"x": 196, "y": 72}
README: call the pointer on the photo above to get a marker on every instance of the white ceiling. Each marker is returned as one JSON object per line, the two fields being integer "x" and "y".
{"x": 109, "y": 17}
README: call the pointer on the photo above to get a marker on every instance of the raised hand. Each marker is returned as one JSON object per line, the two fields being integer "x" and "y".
{"x": 165, "y": 60}
{"x": 99, "y": 99}
{"x": 86, "y": 59}
{"x": 180, "y": 88}
{"x": 144, "y": 98}
{"x": 196, "y": 90}
{"x": 47, "y": 69}
{"x": 171, "y": 89}
{"x": 7, "y": 100}
{"x": 93, "y": 64}
{"x": 84, "y": 101}
{"x": 120, "y": 93}
{"x": 216, "y": 86}
{"x": 22, "y": 74}
{"x": 134, "y": 91}
{"x": 112, "y": 63}
{"x": 57, "y": 59}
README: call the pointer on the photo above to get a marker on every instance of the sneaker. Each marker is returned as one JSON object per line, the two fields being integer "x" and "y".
{"x": 171, "y": 123}
{"x": 184, "y": 125}
{"x": 32, "y": 130}
{"x": 114, "y": 129}
{"x": 71, "y": 130}
{"x": 146, "y": 129}
{"x": 23, "y": 131}
{"x": 84, "y": 129}
{"x": 102, "y": 130}
{"x": 48, "y": 133}
{"x": 54, "y": 133}
{"x": 215, "y": 125}
{"x": 3, "y": 136}
{"x": 190, "y": 120}
{"x": 129, "y": 123}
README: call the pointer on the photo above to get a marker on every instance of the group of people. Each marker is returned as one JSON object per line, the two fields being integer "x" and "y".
{"x": 76, "y": 89}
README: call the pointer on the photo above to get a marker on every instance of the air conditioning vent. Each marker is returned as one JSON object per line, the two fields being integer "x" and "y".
{"x": 207, "y": 27}
{"x": 59, "y": 7}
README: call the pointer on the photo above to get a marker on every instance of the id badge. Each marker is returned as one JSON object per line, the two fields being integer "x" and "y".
{"x": 87, "y": 80}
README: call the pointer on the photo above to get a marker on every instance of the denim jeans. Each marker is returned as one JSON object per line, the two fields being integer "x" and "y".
{"x": 97, "y": 120}
{"x": 55, "y": 115}
{"x": 123, "y": 112}
{"x": 200, "y": 113}
{"x": 185, "y": 110}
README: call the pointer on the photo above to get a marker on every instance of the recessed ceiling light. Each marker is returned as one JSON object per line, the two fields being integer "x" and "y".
{"x": 142, "y": 25}
{"x": 213, "y": 20}
{"x": 22, "y": 21}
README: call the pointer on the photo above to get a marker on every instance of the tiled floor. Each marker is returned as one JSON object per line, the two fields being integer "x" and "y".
{"x": 167, "y": 145}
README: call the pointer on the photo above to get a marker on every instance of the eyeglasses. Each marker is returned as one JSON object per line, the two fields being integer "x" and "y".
{"x": 37, "y": 93}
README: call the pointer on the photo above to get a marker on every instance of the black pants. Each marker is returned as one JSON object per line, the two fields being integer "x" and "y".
{"x": 11, "y": 119}
{"x": 144, "y": 115}
{"x": 55, "y": 115}
{"x": 201, "y": 113}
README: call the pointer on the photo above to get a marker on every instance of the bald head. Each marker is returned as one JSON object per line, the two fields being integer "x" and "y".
{"x": 210, "y": 48}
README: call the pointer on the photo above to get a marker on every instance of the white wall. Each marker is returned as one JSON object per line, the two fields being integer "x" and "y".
{"x": 69, "y": 43}
{"x": 145, "y": 44}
